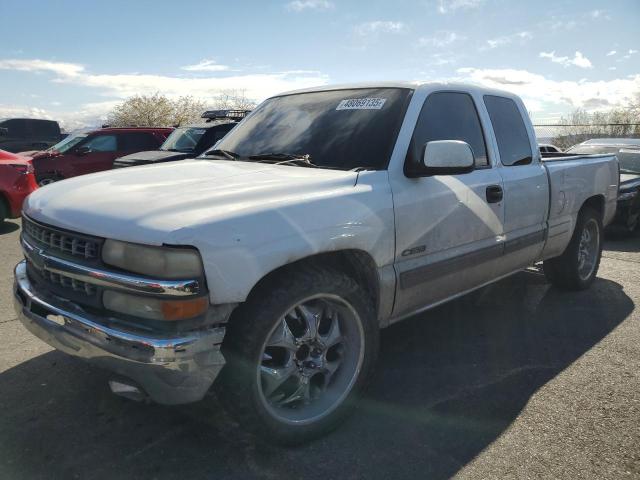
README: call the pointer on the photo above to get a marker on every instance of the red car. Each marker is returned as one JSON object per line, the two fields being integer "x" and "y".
{"x": 93, "y": 151}
{"x": 16, "y": 182}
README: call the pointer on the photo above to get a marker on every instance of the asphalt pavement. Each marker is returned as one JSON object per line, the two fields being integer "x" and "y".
{"x": 517, "y": 380}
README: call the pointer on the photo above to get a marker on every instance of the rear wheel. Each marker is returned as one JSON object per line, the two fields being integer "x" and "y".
{"x": 298, "y": 355}
{"x": 577, "y": 267}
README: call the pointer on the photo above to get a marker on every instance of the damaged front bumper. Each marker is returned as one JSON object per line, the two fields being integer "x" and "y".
{"x": 168, "y": 368}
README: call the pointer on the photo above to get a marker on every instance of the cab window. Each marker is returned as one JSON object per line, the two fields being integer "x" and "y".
{"x": 449, "y": 116}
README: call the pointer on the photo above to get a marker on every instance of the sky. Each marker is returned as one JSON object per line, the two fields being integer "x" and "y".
{"x": 74, "y": 60}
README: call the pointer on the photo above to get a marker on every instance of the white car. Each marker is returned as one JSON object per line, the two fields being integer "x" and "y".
{"x": 270, "y": 264}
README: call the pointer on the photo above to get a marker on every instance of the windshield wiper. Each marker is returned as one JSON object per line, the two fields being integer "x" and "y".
{"x": 624, "y": 170}
{"x": 229, "y": 155}
{"x": 284, "y": 159}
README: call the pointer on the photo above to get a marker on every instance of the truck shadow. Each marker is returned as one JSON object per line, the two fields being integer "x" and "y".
{"x": 449, "y": 383}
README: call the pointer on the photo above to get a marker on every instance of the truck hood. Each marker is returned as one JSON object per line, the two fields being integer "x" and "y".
{"x": 163, "y": 203}
{"x": 152, "y": 156}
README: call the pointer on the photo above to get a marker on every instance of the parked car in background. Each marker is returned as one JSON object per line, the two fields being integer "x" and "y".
{"x": 188, "y": 141}
{"x": 548, "y": 148}
{"x": 270, "y": 263}
{"x": 20, "y": 134}
{"x": 16, "y": 182}
{"x": 93, "y": 151}
{"x": 628, "y": 152}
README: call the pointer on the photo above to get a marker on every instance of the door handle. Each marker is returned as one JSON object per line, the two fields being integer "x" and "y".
{"x": 494, "y": 193}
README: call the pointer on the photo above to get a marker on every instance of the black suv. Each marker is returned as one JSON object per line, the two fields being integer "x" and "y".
{"x": 25, "y": 134}
{"x": 189, "y": 141}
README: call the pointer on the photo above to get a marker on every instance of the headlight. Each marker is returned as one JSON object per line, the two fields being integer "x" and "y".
{"x": 627, "y": 195}
{"x": 159, "y": 262}
{"x": 153, "y": 308}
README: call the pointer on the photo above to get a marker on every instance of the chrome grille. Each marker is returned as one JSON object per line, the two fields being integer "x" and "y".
{"x": 64, "y": 242}
{"x": 68, "y": 282}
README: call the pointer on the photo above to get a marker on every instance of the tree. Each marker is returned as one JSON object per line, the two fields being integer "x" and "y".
{"x": 234, "y": 100}
{"x": 581, "y": 125}
{"x": 157, "y": 110}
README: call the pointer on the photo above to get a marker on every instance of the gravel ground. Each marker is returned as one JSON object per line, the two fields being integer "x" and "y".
{"x": 516, "y": 380}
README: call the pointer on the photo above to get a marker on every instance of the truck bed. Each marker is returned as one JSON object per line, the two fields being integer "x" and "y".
{"x": 572, "y": 180}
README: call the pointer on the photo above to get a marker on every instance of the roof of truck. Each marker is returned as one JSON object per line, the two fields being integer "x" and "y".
{"x": 465, "y": 87}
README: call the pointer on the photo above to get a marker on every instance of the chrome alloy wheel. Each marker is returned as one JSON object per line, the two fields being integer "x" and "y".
{"x": 311, "y": 359}
{"x": 588, "y": 249}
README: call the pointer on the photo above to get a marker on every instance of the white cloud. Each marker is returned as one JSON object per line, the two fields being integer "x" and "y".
{"x": 61, "y": 68}
{"x": 535, "y": 89}
{"x": 379, "y": 26}
{"x": 300, "y": 5}
{"x": 507, "y": 39}
{"x": 578, "y": 59}
{"x": 440, "y": 39}
{"x": 611, "y": 53}
{"x": 256, "y": 86}
{"x": 612, "y": 68}
{"x": 205, "y": 66}
{"x": 445, "y": 6}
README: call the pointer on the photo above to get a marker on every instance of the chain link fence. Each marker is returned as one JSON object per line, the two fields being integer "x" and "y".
{"x": 567, "y": 135}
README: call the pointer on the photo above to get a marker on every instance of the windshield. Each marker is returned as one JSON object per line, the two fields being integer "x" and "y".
{"x": 183, "y": 139}
{"x": 629, "y": 158}
{"x": 343, "y": 129}
{"x": 68, "y": 143}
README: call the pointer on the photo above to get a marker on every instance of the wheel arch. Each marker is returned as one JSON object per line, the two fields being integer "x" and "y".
{"x": 5, "y": 207}
{"x": 596, "y": 203}
{"x": 357, "y": 264}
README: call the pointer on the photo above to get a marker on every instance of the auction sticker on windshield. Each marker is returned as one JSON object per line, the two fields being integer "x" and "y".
{"x": 361, "y": 104}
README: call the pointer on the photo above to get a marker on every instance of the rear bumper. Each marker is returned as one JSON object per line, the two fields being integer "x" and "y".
{"x": 169, "y": 369}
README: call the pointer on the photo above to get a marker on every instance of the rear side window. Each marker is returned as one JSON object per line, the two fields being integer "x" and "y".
{"x": 139, "y": 141}
{"x": 511, "y": 134}
{"x": 449, "y": 116}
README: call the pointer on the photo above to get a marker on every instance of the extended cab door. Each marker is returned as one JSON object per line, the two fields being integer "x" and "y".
{"x": 526, "y": 185}
{"x": 448, "y": 227}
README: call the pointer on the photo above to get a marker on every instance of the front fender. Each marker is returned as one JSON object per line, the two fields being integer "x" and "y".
{"x": 238, "y": 252}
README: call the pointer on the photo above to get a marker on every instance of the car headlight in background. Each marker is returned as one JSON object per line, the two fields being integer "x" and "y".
{"x": 154, "y": 308}
{"x": 160, "y": 262}
{"x": 627, "y": 195}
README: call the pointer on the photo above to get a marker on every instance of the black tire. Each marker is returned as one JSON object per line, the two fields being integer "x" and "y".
{"x": 565, "y": 271}
{"x": 48, "y": 179}
{"x": 240, "y": 385}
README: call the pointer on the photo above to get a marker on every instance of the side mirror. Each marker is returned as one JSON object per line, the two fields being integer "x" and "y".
{"x": 82, "y": 150}
{"x": 447, "y": 157}
{"x": 4, "y": 132}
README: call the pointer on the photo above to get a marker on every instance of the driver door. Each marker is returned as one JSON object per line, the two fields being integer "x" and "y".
{"x": 448, "y": 227}
{"x": 95, "y": 154}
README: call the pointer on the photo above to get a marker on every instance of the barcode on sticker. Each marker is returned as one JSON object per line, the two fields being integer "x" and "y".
{"x": 361, "y": 104}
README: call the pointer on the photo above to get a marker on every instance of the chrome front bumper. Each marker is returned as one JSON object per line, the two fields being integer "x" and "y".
{"x": 169, "y": 369}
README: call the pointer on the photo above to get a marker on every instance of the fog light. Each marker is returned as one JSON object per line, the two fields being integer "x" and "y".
{"x": 153, "y": 308}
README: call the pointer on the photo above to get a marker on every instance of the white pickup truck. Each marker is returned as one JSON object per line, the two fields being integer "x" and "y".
{"x": 323, "y": 216}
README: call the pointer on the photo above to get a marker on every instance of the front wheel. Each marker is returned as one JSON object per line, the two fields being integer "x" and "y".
{"x": 298, "y": 354}
{"x": 577, "y": 267}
